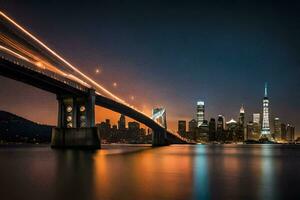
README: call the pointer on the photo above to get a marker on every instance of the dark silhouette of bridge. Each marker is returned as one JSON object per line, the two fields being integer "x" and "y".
{"x": 25, "y": 58}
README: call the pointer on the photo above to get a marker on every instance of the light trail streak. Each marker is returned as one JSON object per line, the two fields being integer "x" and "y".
{"x": 62, "y": 59}
{"x": 14, "y": 53}
{"x": 40, "y": 65}
{"x": 39, "y": 62}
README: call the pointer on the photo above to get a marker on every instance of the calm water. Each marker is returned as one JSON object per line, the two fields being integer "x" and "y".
{"x": 140, "y": 172}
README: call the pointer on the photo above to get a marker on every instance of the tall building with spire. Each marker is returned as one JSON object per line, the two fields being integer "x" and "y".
{"x": 242, "y": 116}
{"x": 265, "y": 130}
{"x": 242, "y": 125}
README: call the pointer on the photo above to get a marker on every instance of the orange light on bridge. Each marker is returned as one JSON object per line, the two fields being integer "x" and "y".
{"x": 98, "y": 71}
{"x": 14, "y": 53}
{"x": 39, "y": 64}
{"x": 115, "y": 84}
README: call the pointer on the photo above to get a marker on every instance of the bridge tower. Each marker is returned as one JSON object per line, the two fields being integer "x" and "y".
{"x": 159, "y": 137}
{"x": 76, "y": 122}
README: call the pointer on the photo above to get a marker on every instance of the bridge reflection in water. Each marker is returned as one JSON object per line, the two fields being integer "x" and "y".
{"x": 25, "y": 58}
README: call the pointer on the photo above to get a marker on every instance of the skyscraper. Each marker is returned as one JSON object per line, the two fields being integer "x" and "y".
{"x": 220, "y": 128}
{"x": 192, "y": 125}
{"x": 256, "y": 118}
{"x": 265, "y": 131}
{"x": 283, "y": 131}
{"x": 212, "y": 129}
{"x": 182, "y": 127}
{"x": 122, "y": 123}
{"x": 231, "y": 123}
{"x": 242, "y": 116}
{"x": 233, "y": 132}
{"x": 242, "y": 126}
{"x": 192, "y": 129}
{"x": 250, "y": 131}
{"x": 277, "y": 128}
{"x": 256, "y": 126}
{"x": 107, "y": 122}
{"x": 220, "y": 123}
{"x": 290, "y": 133}
{"x": 133, "y": 126}
{"x": 200, "y": 113}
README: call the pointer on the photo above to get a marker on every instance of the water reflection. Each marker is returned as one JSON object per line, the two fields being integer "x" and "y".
{"x": 142, "y": 172}
{"x": 267, "y": 189}
{"x": 74, "y": 174}
{"x": 201, "y": 179}
{"x": 160, "y": 173}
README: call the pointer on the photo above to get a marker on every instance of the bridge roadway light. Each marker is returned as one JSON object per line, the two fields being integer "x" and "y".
{"x": 98, "y": 71}
{"x": 39, "y": 64}
{"x": 115, "y": 84}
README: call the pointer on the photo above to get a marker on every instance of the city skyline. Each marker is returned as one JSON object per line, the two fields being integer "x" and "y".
{"x": 253, "y": 130}
{"x": 219, "y": 99}
{"x": 256, "y": 128}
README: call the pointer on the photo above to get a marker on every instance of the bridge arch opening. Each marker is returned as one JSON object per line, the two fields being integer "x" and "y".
{"x": 117, "y": 128}
{"x": 28, "y": 102}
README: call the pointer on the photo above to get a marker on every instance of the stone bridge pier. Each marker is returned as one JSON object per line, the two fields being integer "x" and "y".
{"x": 159, "y": 137}
{"x": 76, "y": 123}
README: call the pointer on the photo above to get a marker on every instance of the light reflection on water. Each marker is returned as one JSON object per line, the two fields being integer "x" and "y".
{"x": 201, "y": 184}
{"x": 142, "y": 172}
{"x": 268, "y": 177}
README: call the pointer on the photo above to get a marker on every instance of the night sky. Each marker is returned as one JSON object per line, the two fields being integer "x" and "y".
{"x": 168, "y": 53}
